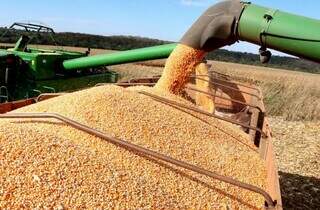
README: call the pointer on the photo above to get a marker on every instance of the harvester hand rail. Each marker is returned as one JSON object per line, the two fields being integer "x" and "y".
{"x": 196, "y": 110}
{"x": 164, "y": 100}
{"x": 39, "y": 98}
{"x": 226, "y": 86}
{"x": 126, "y": 84}
{"x": 227, "y": 76}
{"x": 49, "y": 88}
{"x": 218, "y": 73}
{"x": 230, "y": 82}
{"x": 199, "y": 77}
{"x": 136, "y": 84}
{"x": 225, "y": 98}
{"x": 6, "y": 93}
{"x": 143, "y": 151}
{"x": 144, "y": 78}
{"x": 219, "y": 79}
{"x": 192, "y": 89}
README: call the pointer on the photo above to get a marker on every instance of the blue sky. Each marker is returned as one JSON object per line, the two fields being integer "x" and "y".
{"x": 162, "y": 19}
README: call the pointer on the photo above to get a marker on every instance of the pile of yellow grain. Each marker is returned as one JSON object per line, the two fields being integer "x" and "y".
{"x": 47, "y": 164}
{"x": 179, "y": 66}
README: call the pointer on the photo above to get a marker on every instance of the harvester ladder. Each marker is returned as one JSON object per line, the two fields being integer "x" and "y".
{"x": 4, "y": 94}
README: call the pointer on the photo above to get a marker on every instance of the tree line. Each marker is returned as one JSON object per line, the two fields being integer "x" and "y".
{"x": 133, "y": 42}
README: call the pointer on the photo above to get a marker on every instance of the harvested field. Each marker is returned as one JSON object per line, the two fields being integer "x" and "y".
{"x": 46, "y": 164}
{"x": 292, "y": 95}
{"x": 297, "y": 147}
{"x": 129, "y": 71}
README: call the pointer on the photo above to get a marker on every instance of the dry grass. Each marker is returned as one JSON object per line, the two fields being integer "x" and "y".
{"x": 292, "y": 95}
{"x": 297, "y": 146}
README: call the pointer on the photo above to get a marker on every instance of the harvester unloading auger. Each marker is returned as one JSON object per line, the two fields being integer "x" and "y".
{"x": 148, "y": 152}
{"x": 224, "y": 24}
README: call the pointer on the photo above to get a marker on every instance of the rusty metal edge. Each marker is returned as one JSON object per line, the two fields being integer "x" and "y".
{"x": 260, "y": 120}
{"x": 266, "y": 147}
{"x": 9, "y": 106}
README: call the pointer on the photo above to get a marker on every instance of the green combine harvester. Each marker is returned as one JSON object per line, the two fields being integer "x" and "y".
{"x": 26, "y": 72}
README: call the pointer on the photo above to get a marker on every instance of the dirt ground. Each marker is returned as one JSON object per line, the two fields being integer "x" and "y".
{"x": 297, "y": 147}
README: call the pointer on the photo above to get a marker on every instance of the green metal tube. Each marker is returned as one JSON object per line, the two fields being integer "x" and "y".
{"x": 285, "y": 32}
{"x": 269, "y": 28}
{"x": 142, "y": 54}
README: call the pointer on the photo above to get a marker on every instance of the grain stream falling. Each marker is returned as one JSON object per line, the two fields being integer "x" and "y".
{"x": 179, "y": 66}
{"x": 47, "y": 164}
